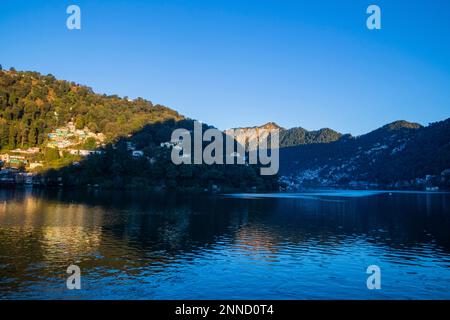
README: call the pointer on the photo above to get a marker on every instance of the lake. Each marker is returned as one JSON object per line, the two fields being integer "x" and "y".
{"x": 310, "y": 245}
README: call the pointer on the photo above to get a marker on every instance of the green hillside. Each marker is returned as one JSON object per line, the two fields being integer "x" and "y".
{"x": 32, "y": 105}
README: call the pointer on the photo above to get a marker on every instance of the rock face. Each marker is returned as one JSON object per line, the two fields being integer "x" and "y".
{"x": 250, "y": 136}
{"x": 288, "y": 137}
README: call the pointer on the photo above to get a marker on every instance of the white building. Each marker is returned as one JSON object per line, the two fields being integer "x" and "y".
{"x": 138, "y": 153}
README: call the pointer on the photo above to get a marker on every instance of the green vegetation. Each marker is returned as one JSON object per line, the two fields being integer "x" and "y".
{"x": 400, "y": 155}
{"x": 299, "y": 136}
{"x": 90, "y": 144}
{"x": 32, "y": 105}
{"x": 116, "y": 167}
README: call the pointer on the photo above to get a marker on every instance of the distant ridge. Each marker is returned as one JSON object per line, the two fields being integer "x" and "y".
{"x": 401, "y": 124}
{"x": 268, "y": 125}
{"x": 299, "y": 136}
{"x": 292, "y": 137}
{"x": 399, "y": 155}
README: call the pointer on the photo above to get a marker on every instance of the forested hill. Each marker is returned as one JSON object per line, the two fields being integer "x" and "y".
{"x": 299, "y": 136}
{"x": 398, "y": 155}
{"x": 32, "y": 105}
{"x": 66, "y": 135}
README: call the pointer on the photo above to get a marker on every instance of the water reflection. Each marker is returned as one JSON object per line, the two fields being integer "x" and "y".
{"x": 136, "y": 245}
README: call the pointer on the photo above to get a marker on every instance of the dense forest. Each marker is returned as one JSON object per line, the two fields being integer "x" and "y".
{"x": 299, "y": 136}
{"x": 33, "y": 105}
{"x": 399, "y": 155}
{"x": 115, "y": 167}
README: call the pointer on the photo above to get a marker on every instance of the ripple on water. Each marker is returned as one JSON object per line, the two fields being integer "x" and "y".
{"x": 295, "y": 246}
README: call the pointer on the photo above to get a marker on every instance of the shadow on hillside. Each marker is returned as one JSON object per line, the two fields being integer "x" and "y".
{"x": 142, "y": 160}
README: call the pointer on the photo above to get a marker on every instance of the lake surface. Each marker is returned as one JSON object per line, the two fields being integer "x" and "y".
{"x": 314, "y": 245}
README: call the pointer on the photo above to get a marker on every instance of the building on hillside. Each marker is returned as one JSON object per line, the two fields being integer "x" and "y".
{"x": 167, "y": 144}
{"x": 4, "y": 157}
{"x": 84, "y": 153}
{"x": 130, "y": 146}
{"x": 34, "y": 150}
{"x": 35, "y": 165}
{"x": 67, "y": 136}
{"x": 137, "y": 153}
{"x": 17, "y": 161}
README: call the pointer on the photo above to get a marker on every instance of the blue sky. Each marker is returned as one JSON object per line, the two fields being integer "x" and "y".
{"x": 237, "y": 63}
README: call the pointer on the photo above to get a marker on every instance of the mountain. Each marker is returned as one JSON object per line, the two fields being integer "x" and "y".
{"x": 288, "y": 137}
{"x": 249, "y": 136}
{"x": 299, "y": 136}
{"x": 33, "y": 105}
{"x": 398, "y": 155}
{"x": 65, "y": 134}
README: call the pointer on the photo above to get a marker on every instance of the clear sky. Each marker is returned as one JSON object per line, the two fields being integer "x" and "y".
{"x": 237, "y": 63}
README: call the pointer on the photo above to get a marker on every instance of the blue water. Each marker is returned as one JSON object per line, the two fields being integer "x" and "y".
{"x": 314, "y": 245}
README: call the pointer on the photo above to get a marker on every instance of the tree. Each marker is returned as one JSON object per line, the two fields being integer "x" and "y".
{"x": 93, "y": 127}
{"x": 33, "y": 136}
{"x": 79, "y": 123}
{"x": 12, "y": 137}
{"x": 90, "y": 144}
{"x": 51, "y": 154}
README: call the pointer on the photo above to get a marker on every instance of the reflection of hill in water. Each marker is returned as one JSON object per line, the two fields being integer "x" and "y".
{"x": 178, "y": 222}
{"x": 128, "y": 231}
{"x": 119, "y": 237}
